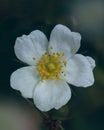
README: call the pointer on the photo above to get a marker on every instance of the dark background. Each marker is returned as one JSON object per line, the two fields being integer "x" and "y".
{"x": 17, "y": 17}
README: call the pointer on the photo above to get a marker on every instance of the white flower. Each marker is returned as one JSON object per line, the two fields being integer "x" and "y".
{"x": 51, "y": 66}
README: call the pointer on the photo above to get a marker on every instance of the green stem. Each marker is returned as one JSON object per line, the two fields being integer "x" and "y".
{"x": 61, "y": 128}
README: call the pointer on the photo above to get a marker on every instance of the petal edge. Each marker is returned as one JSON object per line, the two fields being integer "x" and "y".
{"x": 24, "y": 80}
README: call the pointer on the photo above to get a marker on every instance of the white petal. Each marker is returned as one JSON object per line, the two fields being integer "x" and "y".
{"x": 63, "y": 40}
{"x": 28, "y": 47}
{"x": 24, "y": 80}
{"x": 79, "y": 71}
{"x": 91, "y": 61}
{"x": 51, "y": 94}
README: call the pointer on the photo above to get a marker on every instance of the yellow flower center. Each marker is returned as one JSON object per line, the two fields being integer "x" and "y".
{"x": 50, "y": 66}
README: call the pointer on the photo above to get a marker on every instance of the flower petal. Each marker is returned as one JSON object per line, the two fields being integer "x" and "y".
{"x": 51, "y": 94}
{"x": 63, "y": 40}
{"x": 24, "y": 80}
{"x": 91, "y": 61}
{"x": 79, "y": 71}
{"x": 29, "y": 48}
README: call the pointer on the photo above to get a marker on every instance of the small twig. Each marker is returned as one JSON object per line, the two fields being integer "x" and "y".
{"x": 47, "y": 120}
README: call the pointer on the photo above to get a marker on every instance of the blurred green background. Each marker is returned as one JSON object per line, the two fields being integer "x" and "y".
{"x": 85, "y": 110}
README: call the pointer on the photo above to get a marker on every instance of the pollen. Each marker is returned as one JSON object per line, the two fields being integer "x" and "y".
{"x": 65, "y": 63}
{"x": 34, "y": 58}
{"x": 50, "y": 66}
{"x": 51, "y": 47}
{"x": 63, "y": 53}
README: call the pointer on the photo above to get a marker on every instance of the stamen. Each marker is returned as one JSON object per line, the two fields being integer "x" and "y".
{"x": 50, "y": 66}
{"x": 34, "y": 58}
{"x": 63, "y": 53}
{"x": 46, "y": 53}
{"x": 51, "y": 47}
{"x": 64, "y": 63}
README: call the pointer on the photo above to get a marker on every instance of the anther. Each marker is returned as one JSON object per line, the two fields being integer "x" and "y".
{"x": 65, "y": 63}
{"x": 51, "y": 47}
{"x": 50, "y": 66}
{"x": 34, "y": 58}
{"x": 46, "y": 53}
{"x": 57, "y": 54}
{"x": 63, "y": 53}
